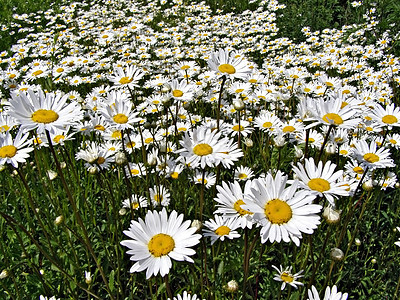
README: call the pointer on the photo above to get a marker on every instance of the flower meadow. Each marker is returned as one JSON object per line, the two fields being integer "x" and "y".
{"x": 164, "y": 150}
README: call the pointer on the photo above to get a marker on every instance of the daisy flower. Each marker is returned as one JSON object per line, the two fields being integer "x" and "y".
{"x": 127, "y": 77}
{"x": 14, "y": 151}
{"x": 286, "y": 276}
{"x": 159, "y": 195}
{"x": 398, "y": 243}
{"x": 185, "y": 296}
{"x": 321, "y": 180}
{"x": 330, "y": 294}
{"x": 283, "y": 212}
{"x": 388, "y": 116}
{"x": 181, "y": 90}
{"x": 230, "y": 198}
{"x": 43, "y": 112}
{"x": 221, "y": 228}
{"x": 135, "y": 202}
{"x": 204, "y": 147}
{"x": 209, "y": 178}
{"x": 372, "y": 156}
{"x": 227, "y": 63}
{"x": 243, "y": 173}
{"x": 157, "y": 240}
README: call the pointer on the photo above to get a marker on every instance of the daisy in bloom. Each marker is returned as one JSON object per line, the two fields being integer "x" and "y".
{"x": 95, "y": 155}
{"x": 134, "y": 202}
{"x": 372, "y": 156}
{"x": 119, "y": 114}
{"x": 221, "y": 228}
{"x": 181, "y": 90}
{"x": 204, "y": 147}
{"x": 234, "y": 129}
{"x": 227, "y": 63}
{"x": 127, "y": 77}
{"x": 321, "y": 180}
{"x": 286, "y": 276}
{"x": 283, "y": 212}
{"x": 185, "y": 296}
{"x": 243, "y": 173}
{"x": 230, "y": 198}
{"x": 43, "y": 112}
{"x": 398, "y": 243}
{"x": 157, "y": 240}
{"x": 14, "y": 151}
{"x": 159, "y": 195}
{"x": 388, "y": 116}
{"x": 330, "y": 294}
{"x": 209, "y": 178}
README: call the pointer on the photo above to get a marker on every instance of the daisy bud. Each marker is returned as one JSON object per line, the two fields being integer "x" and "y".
{"x": 120, "y": 158}
{"x": 238, "y": 104}
{"x": 152, "y": 160}
{"x": 331, "y": 215}
{"x": 4, "y": 274}
{"x": 397, "y": 185}
{"x": 248, "y": 142}
{"x": 122, "y": 212}
{"x": 373, "y": 261}
{"x": 93, "y": 170}
{"x": 279, "y": 141}
{"x": 51, "y": 174}
{"x": 59, "y": 220}
{"x": 41, "y": 271}
{"x": 298, "y": 152}
{"x": 330, "y": 148}
{"x": 14, "y": 173}
{"x": 165, "y": 88}
{"x": 232, "y": 286}
{"x": 357, "y": 242}
{"x": 368, "y": 185}
{"x": 63, "y": 165}
{"x": 196, "y": 224}
{"x": 2, "y": 167}
{"x": 337, "y": 254}
{"x": 88, "y": 277}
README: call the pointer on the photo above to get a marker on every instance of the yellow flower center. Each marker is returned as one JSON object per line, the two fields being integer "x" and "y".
{"x": 101, "y": 160}
{"x": 99, "y": 127}
{"x": 4, "y": 128}
{"x": 130, "y": 145}
{"x": 116, "y": 135}
{"x": 319, "y": 184}
{"x": 59, "y": 70}
{"x": 344, "y": 152}
{"x": 328, "y": 118}
{"x": 227, "y": 68}
{"x": 278, "y": 211}
{"x": 267, "y": 124}
{"x": 125, "y": 80}
{"x": 288, "y": 129}
{"x": 120, "y": 118}
{"x": 58, "y": 138}
{"x": 389, "y": 119}
{"x": 371, "y": 158}
{"x": 240, "y": 210}
{"x": 134, "y": 205}
{"x": 148, "y": 140}
{"x": 177, "y": 93}
{"x": 393, "y": 141}
{"x": 358, "y": 170}
{"x": 175, "y": 175}
{"x": 161, "y": 244}
{"x": 238, "y": 128}
{"x": 222, "y": 230}
{"x": 287, "y": 277}
{"x": 134, "y": 171}
{"x": 44, "y": 116}
{"x": 242, "y": 176}
{"x": 202, "y": 149}
{"x": 8, "y": 151}
{"x": 37, "y": 73}
{"x": 158, "y": 198}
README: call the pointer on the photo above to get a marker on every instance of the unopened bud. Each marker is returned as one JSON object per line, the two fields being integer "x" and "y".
{"x": 298, "y": 152}
{"x": 373, "y": 261}
{"x": 51, "y": 174}
{"x": 165, "y": 88}
{"x": 330, "y": 148}
{"x": 93, "y": 170}
{"x": 232, "y": 286}
{"x": 196, "y": 224}
{"x": 368, "y": 185}
{"x": 238, "y": 104}
{"x": 2, "y": 167}
{"x": 122, "y": 212}
{"x": 63, "y": 165}
{"x": 337, "y": 254}
{"x": 59, "y": 220}
{"x": 88, "y": 277}
{"x": 248, "y": 142}
{"x": 331, "y": 215}
{"x": 120, "y": 158}
{"x": 152, "y": 160}
{"x": 357, "y": 242}
{"x": 279, "y": 141}
{"x": 4, "y": 274}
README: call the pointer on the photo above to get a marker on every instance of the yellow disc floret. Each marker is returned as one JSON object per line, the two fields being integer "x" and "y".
{"x": 240, "y": 210}
{"x": 161, "y": 244}
{"x": 319, "y": 184}
{"x": 120, "y": 118}
{"x": 328, "y": 118}
{"x": 44, "y": 116}
{"x": 202, "y": 149}
{"x": 8, "y": 151}
{"x": 278, "y": 211}
{"x": 222, "y": 230}
{"x": 227, "y": 68}
{"x": 371, "y": 158}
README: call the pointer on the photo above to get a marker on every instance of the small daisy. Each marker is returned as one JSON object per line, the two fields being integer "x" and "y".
{"x": 185, "y": 296}
{"x": 209, "y": 178}
{"x": 127, "y": 77}
{"x": 159, "y": 195}
{"x": 283, "y": 212}
{"x": 372, "y": 156}
{"x": 243, "y": 173}
{"x": 229, "y": 64}
{"x": 286, "y": 276}
{"x": 14, "y": 151}
{"x": 221, "y": 228}
{"x": 330, "y": 294}
{"x": 388, "y": 116}
{"x": 135, "y": 202}
{"x": 157, "y": 240}
{"x": 321, "y": 180}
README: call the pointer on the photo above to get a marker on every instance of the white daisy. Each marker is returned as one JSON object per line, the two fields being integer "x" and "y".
{"x": 159, "y": 195}
{"x": 229, "y": 64}
{"x": 372, "y": 156}
{"x": 283, "y": 212}
{"x": 185, "y": 296}
{"x": 14, "y": 151}
{"x": 221, "y": 228}
{"x": 286, "y": 276}
{"x": 330, "y": 294}
{"x": 157, "y": 240}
